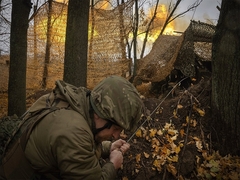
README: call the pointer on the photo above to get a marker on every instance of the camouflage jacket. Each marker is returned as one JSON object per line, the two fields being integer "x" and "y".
{"x": 61, "y": 145}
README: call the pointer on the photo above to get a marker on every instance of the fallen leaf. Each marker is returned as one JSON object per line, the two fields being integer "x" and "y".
{"x": 179, "y": 106}
{"x": 152, "y": 132}
{"x": 172, "y": 169}
{"x": 172, "y": 132}
{"x": 182, "y": 132}
{"x": 160, "y": 132}
{"x": 157, "y": 164}
{"x": 136, "y": 171}
{"x": 194, "y": 122}
{"x": 175, "y": 113}
{"x": 146, "y": 155}
{"x": 178, "y": 149}
{"x": 138, "y": 158}
{"x": 139, "y": 133}
{"x": 200, "y": 111}
{"x": 199, "y": 145}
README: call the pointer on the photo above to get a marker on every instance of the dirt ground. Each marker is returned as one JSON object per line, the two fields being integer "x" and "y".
{"x": 174, "y": 140}
{"x": 170, "y": 142}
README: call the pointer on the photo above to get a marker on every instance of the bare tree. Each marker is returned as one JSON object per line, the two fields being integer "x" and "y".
{"x": 172, "y": 10}
{"x": 148, "y": 29}
{"x": 48, "y": 44}
{"x": 18, "y": 57}
{"x": 135, "y": 33}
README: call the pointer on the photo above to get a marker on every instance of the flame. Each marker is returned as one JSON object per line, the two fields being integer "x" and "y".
{"x": 103, "y": 5}
{"x": 159, "y": 20}
{"x": 62, "y": 1}
{"x": 156, "y": 25}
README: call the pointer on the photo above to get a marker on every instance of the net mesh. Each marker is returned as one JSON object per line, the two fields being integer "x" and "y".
{"x": 107, "y": 47}
{"x": 177, "y": 52}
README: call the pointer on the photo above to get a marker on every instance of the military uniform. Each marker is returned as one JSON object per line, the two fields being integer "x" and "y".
{"x": 62, "y": 145}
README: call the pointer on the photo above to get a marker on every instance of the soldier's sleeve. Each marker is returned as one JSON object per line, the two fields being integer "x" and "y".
{"x": 75, "y": 154}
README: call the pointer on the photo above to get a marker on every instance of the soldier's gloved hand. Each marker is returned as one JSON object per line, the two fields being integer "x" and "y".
{"x": 121, "y": 145}
{"x": 116, "y": 158}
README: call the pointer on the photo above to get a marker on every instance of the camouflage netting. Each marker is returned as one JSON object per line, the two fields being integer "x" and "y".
{"x": 196, "y": 36}
{"x": 107, "y": 49}
{"x": 159, "y": 62}
{"x": 170, "y": 52}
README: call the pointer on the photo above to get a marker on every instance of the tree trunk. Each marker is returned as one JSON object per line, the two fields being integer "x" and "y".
{"x": 148, "y": 30}
{"x": 135, "y": 33}
{"x": 76, "y": 46}
{"x": 18, "y": 57}
{"x": 92, "y": 29}
{"x": 226, "y": 79}
{"x": 48, "y": 45}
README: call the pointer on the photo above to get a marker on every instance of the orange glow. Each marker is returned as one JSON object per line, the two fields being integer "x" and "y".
{"x": 156, "y": 25}
{"x": 103, "y": 5}
{"x": 62, "y": 1}
{"x": 161, "y": 16}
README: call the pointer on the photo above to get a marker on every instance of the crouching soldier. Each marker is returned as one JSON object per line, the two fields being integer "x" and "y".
{"x": 65, "y": 133}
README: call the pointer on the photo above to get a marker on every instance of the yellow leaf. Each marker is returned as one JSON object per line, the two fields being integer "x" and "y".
{"x": 174, "y": 137}
{"x": 179, "y": 106}
{"x": 152, "y": 132}
{"x": 178, "y": 149}
{"x": 139, "y": 133}
{"x": 172, "y": 132}
{"x": 173, "y": 159}
{"x": 196, "y": 138}
{"x": 167, "y": 126}
{"x": 172, "y": 169}
{"x": 199, "y": 145}
{"x": 159, "y": 132}
{"x": 144, "y": 132}
{"x": 165, "y": 150}
{"x": 194, "y": 123}
{"x": 157, "y": 164}
{"x": 182, "y": 132}
{"x": 200, "y": 111}
{"x": 138, "y": 158}
{"x": 155, "y": 141}
{"x": 146, "y": 155}
{"x": 124, "y": 178}
{"x": 175, "y": 113}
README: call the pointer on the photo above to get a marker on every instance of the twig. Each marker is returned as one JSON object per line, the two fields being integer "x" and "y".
{"x": 149, "y": 117}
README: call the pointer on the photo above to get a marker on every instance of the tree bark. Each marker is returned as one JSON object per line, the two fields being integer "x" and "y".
{"x": 48, "y": 45}
{"x": 76, "y": 45}
{"x": 18, "y": 57}
{"x": 226, "y": 79}
{"x": 135, "y": 33}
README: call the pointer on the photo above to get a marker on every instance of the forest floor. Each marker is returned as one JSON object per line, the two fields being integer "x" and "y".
{"x": 175, "y": 140}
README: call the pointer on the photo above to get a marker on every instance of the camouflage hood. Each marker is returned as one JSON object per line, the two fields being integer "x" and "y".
{"x": 75, "y": 96}
{"x": 116, "y": 99}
